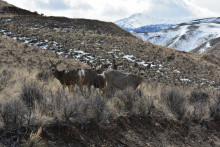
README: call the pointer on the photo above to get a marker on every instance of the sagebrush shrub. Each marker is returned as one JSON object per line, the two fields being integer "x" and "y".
{"x": 198, "y": 97}
{"x": 175, "y": 99}
{"x": 5, "y": 76}
{"x": 31, "y": 93}
{"x": 44, "y": 76}
{"x": 14, "y": 112}
{"x": 215, "y": 108}
{"x": 125, "y": 98}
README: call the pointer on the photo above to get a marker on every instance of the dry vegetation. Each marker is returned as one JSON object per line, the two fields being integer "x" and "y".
{"x": 35, "y": 110}
{"x": 178, "y": 104}
{"x": 98, "y": 39}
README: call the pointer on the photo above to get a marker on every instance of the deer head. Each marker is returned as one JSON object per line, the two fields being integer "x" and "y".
{"x": 53, "y": 67}
{"x": 92, "y": 65}
{"x": 142, "y": 69}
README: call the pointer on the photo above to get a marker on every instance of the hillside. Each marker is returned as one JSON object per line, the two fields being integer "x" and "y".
{"x": 178, "y": 103}
{"x": 215, "y": 47}
{"x": 129, "y": 118}
{"x": 90, "y": 39}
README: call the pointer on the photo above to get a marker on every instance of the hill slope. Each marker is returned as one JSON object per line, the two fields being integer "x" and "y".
{"x": 128, "y": 119}
{"x": 89, "y": 39}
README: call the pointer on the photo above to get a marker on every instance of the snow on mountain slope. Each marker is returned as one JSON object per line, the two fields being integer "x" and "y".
{"x": 186, "y": 36}
{"x": 140, "y": 20}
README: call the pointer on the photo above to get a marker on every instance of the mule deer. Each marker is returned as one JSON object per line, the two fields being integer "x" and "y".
{"x": 67, "y": 78}
{"x": 114, "y": 64}
{"x": 121, "y": 81}
{"x": 103, "y": 66}
{"x": 98, "y": 79}
{"x": 92, "y": 76}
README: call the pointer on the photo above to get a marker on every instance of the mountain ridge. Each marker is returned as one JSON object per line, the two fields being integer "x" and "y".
{"x": 141, "y": 20}
{"x": 196, "y": 36}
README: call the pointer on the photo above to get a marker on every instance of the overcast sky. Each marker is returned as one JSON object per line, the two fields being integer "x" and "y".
{"x": 112, "y": 10}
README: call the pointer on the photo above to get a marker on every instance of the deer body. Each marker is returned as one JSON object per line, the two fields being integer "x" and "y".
{"x": 121, "y": 81}
{"x": 99, "y": 81}
{"x": 67, "y": 78}
{"x": 88, "y": 78}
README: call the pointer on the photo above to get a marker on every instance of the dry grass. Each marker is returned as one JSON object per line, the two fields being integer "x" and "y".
{"x": 171, "y": 67}
{"x": 59, "y": 108}
{"x": 158, "y": 112}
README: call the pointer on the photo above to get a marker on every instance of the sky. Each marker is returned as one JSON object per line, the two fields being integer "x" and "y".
{"x": 113, "y": 10}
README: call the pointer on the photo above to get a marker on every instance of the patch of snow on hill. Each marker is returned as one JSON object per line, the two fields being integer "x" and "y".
{"x": 205, "y": 48}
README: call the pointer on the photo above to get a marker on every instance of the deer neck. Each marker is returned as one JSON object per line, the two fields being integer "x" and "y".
{"x": 140, "y": 78}
{"x": 59, "y": 74}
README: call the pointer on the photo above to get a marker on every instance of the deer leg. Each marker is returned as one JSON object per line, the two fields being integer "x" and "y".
{"x": 73, "y": 87}
{"x": 64, "y": 86}
{"x": 69, "y": 87}
{"x": 80, "y": 88}
{"x": 89, "y": 89}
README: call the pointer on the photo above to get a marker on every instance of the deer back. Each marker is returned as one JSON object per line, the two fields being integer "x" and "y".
{"x": 88, "y": 79}
{"x": 70, "y": 77}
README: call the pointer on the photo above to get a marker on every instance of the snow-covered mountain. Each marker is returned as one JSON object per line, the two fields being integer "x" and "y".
{"x": 145, "y": 23}
{"x": 186, "y": 36}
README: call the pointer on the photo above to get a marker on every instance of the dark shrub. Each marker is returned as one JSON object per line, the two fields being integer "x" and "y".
{"x": 13, "y": 112}
{"x": 44, "y": 76}
{"x": 215, "y": 108}
{"x": 5, "y": 77}
{"x": 31, "y": 93}
{"x": 198, "y": 97}
{"x": 126, "y": 98}
{"x": 175, "y": 99}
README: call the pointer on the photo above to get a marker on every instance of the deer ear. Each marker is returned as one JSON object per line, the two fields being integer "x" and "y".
{"x": 58, "y": 62}
{"x": 136, "y": 65}
{"x": 98, "y": 62}
{"x": 113, "y": 61}
{"x": 50, "y": 62}
{"x": 88, "y": 63}
{"x": 148, "y": 66}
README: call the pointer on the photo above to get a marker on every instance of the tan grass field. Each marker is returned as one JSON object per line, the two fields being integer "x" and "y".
{"x": 150, "y": 106}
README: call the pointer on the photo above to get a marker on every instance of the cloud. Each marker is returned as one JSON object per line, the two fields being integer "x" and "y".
{"x": 52, "y": 4}
{"x": 79, "y": 5}
{"x": 211, "y": 5}
{"x": 169, "y": 9}
{"x": 199, "y": 11}
{"x": 118, "y": 9}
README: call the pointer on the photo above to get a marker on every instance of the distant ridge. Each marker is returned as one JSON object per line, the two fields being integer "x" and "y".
{"x": 144, "y": 23}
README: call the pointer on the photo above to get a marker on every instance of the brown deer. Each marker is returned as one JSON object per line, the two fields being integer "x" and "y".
{"x": 121, "y": 81}
{"x": 103, "y": 66}
{"x": 67, "y": 78}
{"x": 92, "y": 76}
{"x": 114, "y": 64}
{"x": 98, "y": 79}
